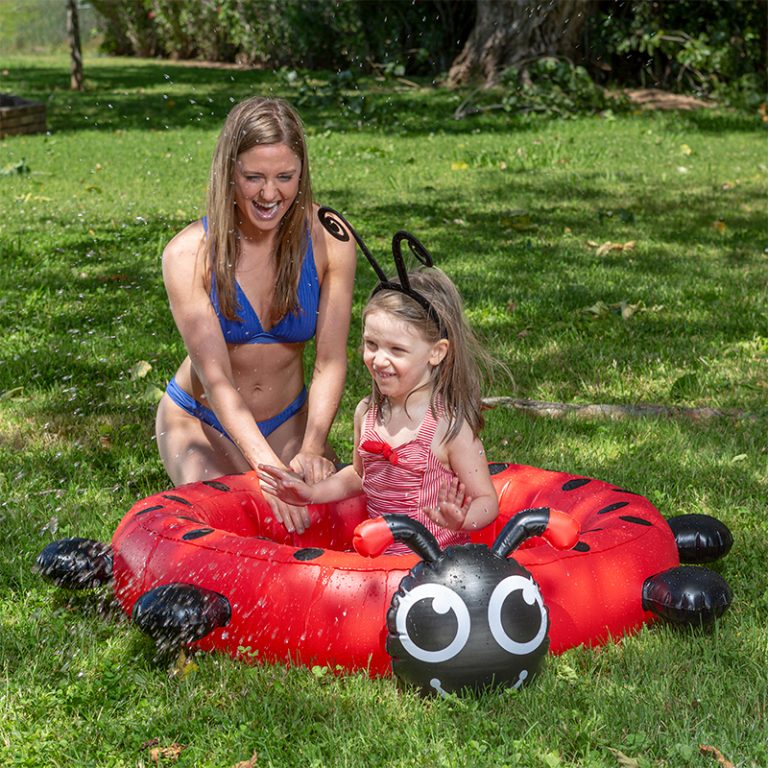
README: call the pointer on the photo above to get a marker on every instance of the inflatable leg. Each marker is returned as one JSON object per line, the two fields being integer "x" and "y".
{"x": 76, "y": 563}
{"x": 687, "y": 595}
{"x": 700, "y": 538}
{"x": 176, "y": 614}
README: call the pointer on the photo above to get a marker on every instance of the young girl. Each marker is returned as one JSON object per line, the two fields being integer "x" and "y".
{"x": 417, "y": 450}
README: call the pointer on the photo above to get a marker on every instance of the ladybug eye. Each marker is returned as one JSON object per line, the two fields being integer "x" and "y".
{"x": 432, "y": 623}
{"x": 516, "y": 615}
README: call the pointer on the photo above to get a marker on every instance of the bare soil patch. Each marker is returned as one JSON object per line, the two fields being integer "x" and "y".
{"x": 655, "y": 98}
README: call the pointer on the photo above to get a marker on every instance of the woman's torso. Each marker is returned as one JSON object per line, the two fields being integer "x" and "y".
{"x": 269, "y": 371}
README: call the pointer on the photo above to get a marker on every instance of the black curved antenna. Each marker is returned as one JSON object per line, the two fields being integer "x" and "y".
{"x": 415, "y": 536}
{"x": 527, "y": 523}
{"x": 330, "y": 219}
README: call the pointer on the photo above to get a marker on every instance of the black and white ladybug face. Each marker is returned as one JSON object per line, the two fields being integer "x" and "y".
{"x": 469, "y": 620}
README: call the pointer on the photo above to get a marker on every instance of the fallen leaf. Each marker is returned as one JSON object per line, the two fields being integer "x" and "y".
{"x": 105, "y": 442}
{"x": 183, "y": 666}
{"x": 139, "y": 370}
{"x": 166, "y": 753}
{"x": 717, "y": 754}
{"x": 459, "y": 166}
{"x": 250, "y": 763}
{"x": 609, "y": 246}
{"x": 623, "y": 760}
{"x": 720, "y": 226}
{"x": 686, "y": 150}
{"x": 518, "y": 220}
{"x": 52, "y": 525}
{"x": 151, "y": 394}
{"x": 149, "y": 743}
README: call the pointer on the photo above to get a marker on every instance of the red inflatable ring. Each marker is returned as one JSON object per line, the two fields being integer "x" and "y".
{"x": 310, "y": 600}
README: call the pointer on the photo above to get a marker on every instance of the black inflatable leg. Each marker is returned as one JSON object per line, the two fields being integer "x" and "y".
{"x": 700, "y": 538}
{"x": 176, "y": 614}
{"x": 687, "y": 595}
{"x": 76, "y": 563}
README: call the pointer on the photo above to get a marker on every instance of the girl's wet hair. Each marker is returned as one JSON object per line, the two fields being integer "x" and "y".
{"x": 457, "y": 380}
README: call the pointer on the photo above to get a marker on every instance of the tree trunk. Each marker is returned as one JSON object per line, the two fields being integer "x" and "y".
{"x": 511, "y": 32}
{"x": 76, "y": 53}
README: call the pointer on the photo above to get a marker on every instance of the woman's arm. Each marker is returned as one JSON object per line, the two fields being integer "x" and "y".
{"x": 330, "y": 367}
{"x": 292, "y": 489}
{"x": 196, "y": 320}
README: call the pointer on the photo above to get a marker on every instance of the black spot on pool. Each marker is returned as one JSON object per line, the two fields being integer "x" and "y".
{"x": 196, "y": 534}
{"x": 572, "y": 485}
{"x": 308, "y": 553}
{"x": 613, "y": 507}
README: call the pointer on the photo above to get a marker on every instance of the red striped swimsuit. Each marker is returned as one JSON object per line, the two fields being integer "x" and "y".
{"x": 405, "y": 479}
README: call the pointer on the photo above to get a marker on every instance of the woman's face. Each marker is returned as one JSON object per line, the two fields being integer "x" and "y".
{"x": 266, "y": 185}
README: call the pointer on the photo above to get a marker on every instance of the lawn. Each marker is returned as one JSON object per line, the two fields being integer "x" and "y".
{"x": 618, "y": 259}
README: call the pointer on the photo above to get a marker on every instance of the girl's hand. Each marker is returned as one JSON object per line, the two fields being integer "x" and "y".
{"x": 452, "y": 506}
{"x": 312, "y": 467}
{"x": 286, "y": 485}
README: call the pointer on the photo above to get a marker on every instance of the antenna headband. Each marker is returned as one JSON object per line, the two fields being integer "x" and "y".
{"x": 330, "y": 219}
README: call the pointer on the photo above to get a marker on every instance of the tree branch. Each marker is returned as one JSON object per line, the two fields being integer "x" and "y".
{"x": 598, "y": 410}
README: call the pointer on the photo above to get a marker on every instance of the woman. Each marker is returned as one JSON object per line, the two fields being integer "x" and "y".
{"x": 249, "y": 285}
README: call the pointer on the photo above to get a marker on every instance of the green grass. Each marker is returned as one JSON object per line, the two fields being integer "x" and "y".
{"x": 509, "y": 206}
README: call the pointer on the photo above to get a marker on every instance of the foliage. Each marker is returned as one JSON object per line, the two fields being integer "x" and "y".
{"x": 314, "y": 34}
{"x": 550, "y": 85}
{"x": 527, "y": 214}
{"x": 715, "y": 48}
{"x": 40, "y": 25}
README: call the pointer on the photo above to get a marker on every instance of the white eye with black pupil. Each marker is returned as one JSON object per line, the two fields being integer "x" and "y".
{"x": 527, "y": 602}
{"x": 443, "y": 600}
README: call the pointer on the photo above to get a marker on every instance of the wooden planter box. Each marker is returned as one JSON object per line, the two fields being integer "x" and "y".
{"x": 18, "y": 115}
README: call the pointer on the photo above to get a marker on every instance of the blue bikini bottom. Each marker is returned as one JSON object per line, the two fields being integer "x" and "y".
{"x": 186, "y": 402}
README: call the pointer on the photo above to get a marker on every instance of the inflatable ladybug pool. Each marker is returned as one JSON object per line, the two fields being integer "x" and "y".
{"x": 571, "y": 560}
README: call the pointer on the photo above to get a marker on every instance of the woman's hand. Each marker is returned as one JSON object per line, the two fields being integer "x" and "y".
{"x": 294, "y": 518}
{"x": 452, "y": 506}
{"x": 312, "y": 467}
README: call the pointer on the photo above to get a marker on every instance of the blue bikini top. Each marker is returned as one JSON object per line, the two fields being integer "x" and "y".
{"x": 291, "y": 328}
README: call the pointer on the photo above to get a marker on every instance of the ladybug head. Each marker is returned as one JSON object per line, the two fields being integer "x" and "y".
{"x": 467, "y": 617}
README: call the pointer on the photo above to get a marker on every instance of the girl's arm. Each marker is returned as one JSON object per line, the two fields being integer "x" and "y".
{"x": 470, "y": 502}
{"x": 330, "y": 366}
{"x": 292, "y": 489}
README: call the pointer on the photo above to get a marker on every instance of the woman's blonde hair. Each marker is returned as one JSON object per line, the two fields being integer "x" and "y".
{"x": 457, "y": 380}
{"x": 250, "y": 123}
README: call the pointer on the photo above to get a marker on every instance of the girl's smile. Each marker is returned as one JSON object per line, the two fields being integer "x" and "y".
{"x": 397, "y": 356}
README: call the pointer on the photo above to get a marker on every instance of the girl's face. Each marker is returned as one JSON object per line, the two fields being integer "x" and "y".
{"x": 266, "y": 184}
{"x": 397, "y": 356}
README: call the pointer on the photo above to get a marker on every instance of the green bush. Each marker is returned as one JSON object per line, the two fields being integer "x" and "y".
{"x": 712, "y": 48}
